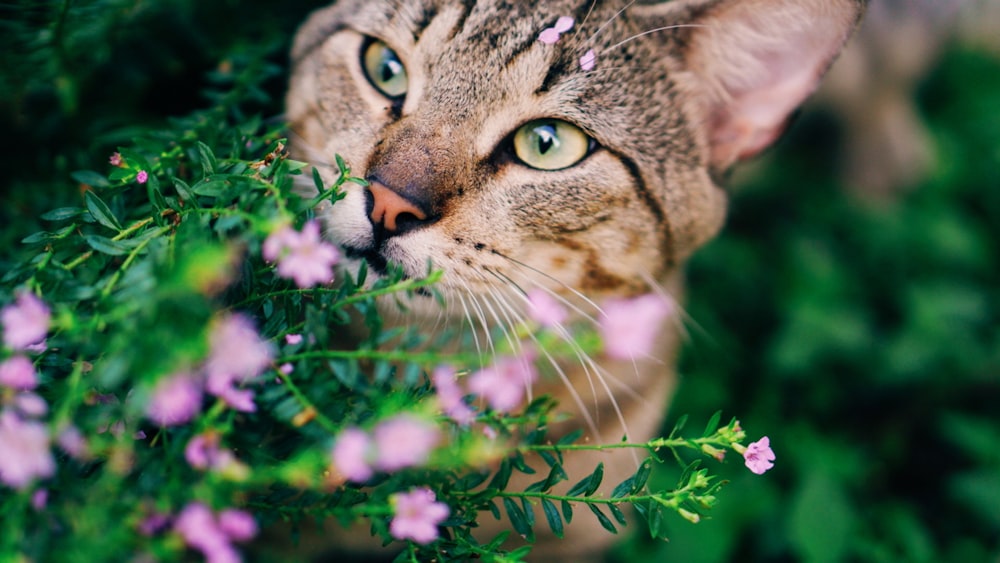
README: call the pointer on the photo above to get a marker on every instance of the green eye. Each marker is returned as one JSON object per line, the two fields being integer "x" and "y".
{"x": 384, "y": 69}
{"x": 550, "y": 144}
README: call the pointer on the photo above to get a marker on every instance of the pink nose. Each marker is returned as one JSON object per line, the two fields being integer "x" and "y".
{"x": 390, "y": 207}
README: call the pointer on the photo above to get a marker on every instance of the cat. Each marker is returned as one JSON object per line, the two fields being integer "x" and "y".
{"x": 587, "y": 167}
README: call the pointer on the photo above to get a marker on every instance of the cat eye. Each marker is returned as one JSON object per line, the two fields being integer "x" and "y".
{"x": 384, "y": 69}
{"x": 551, "y": 144}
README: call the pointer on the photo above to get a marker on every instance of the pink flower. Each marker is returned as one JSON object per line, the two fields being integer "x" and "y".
{"x": 205, "y": 453}
{"x": 116, "y": 159}
{"x": 237, "y": 354}
{"x": 759, "y": 456}
{"x": 175, "y": 400}
{"x": 293, "y": 339}
{"x": 351, "y": 454}
{"x": 303, "y": 257}
{"x": 25, "y": 322}
{"x": 629, "y": 327}
{"x": 31, "y": 405}
{"x": 71, "y": 441}
{"x": 237, "y": 524}
{"x": 550, "y": 35}
{"x": 451, "y": 397}
{"x": 503, "y": 385}
{"x": 18, "y": 373}
{"x": 404, "y": 441}
{"x": 142, "y": 177}
{"x": 202, "y": 531}
{"x": 417, "y": 515}
{"x": 588, "y": 59}
{"x": 39, "y": 499}
{"x": 545, "y": 309}
{"x": 24, "y": 451}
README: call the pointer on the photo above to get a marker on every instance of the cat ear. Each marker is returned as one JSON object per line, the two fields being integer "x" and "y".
{"x": 754, "y": 61}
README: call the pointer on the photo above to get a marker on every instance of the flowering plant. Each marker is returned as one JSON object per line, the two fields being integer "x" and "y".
{"x": 167, "y": 382}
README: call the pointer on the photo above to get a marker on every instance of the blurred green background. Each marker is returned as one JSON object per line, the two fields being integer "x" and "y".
{"x": 859, "y": 332}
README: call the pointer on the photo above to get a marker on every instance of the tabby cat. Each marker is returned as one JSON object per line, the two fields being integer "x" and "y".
{"x": 586, "y": 167}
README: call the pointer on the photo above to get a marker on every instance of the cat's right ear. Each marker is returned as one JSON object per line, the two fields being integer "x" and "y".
{"x": 752, "y": 61}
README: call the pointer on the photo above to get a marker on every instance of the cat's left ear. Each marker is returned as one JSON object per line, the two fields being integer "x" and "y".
{"x": 753, "y": 61}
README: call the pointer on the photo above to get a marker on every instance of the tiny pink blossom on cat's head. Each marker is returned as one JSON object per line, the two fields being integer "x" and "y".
{"x": 759, "y": 456}
{"x": 545, "y": 309}
{"x": 404, "y": 441}
{"x": 18, "y": 373}
{"x": 549, "y": 35}
{"x": 25, "y": 322}
{"x": 564, "y": 24}
{"x": 588, "y": 60}
{"x": 504, "y": 384}
{"x": 351, "y": 455}
{"x": 417, "y": 515}
{"x": 629, "y": 327}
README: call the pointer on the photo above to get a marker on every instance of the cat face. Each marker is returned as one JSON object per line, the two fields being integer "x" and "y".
{"x": 507, "y": 162}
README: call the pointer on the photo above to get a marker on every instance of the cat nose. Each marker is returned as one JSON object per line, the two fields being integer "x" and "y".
{"x": 394, "y": 212}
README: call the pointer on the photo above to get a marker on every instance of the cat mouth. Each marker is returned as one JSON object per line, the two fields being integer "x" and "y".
{"x": 371, "y": 255}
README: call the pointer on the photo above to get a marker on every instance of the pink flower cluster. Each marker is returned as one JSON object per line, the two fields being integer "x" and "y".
{"x": 25, "y": 453}
{"x": 237, "y": 356}
{"x": 396, "y": 443}
{"x": 502, "y": 386}
{"x": 213, "y": 535}
{"x": 204, "y": 452}
{"x": 417, "y": 515}
{"x": 550, "y": 35}
{"x": 759, "y": 457}
{"x": 303, "y": 257}
{"x": 629, "y": 327}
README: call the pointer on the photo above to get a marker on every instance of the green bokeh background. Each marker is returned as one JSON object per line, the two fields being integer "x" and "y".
{"x": 862, "y": 336}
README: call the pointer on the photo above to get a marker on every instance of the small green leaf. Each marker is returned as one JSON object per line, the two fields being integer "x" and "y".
{"x": 502, "y": 477}
{"x": 62, "y": 213}
{"x": 624, "y": 488}
{"x": 101, "y": 212}
{"x": 517, "y": 517}
{"x": 567, "y": 510}
{"x": 571, "y": 437}
{"x": 552, "y": 515}
{"x": 588, "y": 484}
{"x": 91, "y": 178}
{"x": 713, "y": 424}
{"x": 107, "y": 246}
{"x": 618, "y": 515}
{"x": 604, "y": 520}
{"x": 207, "y": 159}
{"x": 642, "y": 475}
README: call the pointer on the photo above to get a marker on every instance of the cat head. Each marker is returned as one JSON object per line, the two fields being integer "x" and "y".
{"x": 581, "y": 161}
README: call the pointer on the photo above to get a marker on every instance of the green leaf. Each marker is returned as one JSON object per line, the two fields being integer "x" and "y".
{"x": 101, "y": 212}
{"x": 91, "y": 178}
{"x": 206, "y": 158}
{"x": 618, "y": 515}
{"x": 604, "y": 520}
{"x": 529, "y": 512}
{"x": 62, "y": 213}
{"x": 589, "y": 484}
{"x": 624, "y": 488}
{"x": 571, "y": 437}
{"x": 107, "y": 246}
{"x": 517, "y": 518}
{"x": 553, "y": 518}
{"x": 713, "y": 424}
{"x": 567, "y": 510}
{"x": 642, "y": 475}
{"x": 502, "y": 477}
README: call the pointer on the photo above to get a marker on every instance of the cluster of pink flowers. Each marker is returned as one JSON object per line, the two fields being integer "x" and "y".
{"x": 551, "y": 35}
{"x": 301, "y": 256}
{"x": 502, "y": 386}
{"x": 25, "y": 453}
{"x": 205, "y": 452}
{"x": 213, "y": 535}
{"x": 237, "y": 356}
{"x": 402, "y": 441}
{"x": 759, "y": 457}
{"x": 417, "y": 515}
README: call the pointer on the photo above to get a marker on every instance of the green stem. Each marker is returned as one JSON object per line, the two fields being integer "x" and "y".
{"x": 320, "y": 418}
